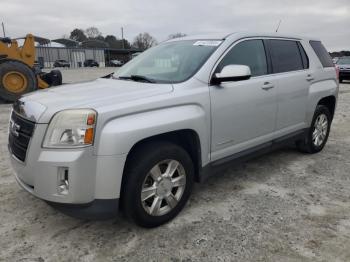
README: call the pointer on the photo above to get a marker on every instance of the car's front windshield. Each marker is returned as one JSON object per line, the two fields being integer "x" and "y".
{"x": 170, "y": 62}
{"x": 344, "y": 61}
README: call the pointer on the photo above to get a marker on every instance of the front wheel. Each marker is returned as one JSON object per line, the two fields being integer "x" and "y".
{"x": 158, "y": 182}
{"x": 16, "y": 79}
{"x": 317, "y": 135}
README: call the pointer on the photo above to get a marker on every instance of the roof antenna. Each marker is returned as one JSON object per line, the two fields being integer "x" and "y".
{"x": 3, "y": 28}
{"x": 278, "y": 27}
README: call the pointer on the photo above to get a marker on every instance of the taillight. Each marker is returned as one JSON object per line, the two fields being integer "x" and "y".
{"x": 337, "y": 70}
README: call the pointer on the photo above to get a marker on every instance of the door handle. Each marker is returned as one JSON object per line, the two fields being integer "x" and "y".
{"x": 309, "y": 77}
{"x": 267, "y": 86}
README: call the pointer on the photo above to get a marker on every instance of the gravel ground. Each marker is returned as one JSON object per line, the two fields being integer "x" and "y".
{"x": 284, "y": 206}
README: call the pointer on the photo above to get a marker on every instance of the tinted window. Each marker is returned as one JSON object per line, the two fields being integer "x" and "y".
{"x": 322, "y": 53}
{"x": 304, "y": 56}
{"x": 285, "y": 56}
{"x": 250, "y": 53}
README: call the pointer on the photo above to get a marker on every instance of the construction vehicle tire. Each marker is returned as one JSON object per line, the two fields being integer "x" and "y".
{"x": 54, "y": 78}
{"x": 16, "y": 79}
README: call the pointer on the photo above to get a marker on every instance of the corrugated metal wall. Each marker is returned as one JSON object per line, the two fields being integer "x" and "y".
{"x": 75, "y": 56}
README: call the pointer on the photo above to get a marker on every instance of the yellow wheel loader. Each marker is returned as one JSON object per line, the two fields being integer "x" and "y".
{"x": 18, "y": 73}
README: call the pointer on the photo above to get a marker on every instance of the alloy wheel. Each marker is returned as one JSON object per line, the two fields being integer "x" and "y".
{"x": 163, "y": 187}
{"x": 320, "y": 130}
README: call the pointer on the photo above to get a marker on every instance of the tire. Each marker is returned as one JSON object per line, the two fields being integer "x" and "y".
{"x": 138, "y": 177}
{"x": 24, "y": 76}
{"x": 310, "y": 145}
{"x": 54, "y": 78}
{"x": 340, "y": 80}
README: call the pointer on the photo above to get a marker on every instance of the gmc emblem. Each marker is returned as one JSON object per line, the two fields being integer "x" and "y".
{"x": 14, "y": 128}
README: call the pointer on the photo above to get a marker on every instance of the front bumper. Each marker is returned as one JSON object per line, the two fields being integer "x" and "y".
{"x": 94, "y": 181}
{"x": 99, "y": 209}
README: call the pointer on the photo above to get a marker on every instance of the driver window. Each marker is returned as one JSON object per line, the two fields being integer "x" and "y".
{"x": 250, "y": 53}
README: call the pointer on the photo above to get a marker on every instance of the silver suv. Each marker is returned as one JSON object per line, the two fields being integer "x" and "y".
{"x": 172, "y": 116}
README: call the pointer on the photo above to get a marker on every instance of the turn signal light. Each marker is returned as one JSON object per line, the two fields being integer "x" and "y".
{"x": 89, "y": 136}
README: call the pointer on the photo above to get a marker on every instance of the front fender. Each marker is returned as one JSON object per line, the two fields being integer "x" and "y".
{"x": 119, "y": 135}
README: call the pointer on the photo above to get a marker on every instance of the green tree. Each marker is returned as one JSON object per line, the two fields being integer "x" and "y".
{"x": 78, "y": 35}
{"x": 112, "y": 41}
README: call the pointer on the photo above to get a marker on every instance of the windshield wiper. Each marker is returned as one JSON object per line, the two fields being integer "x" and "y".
{"x": 138, "y": 78}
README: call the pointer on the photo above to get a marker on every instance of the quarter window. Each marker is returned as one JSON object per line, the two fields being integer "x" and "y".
{"x": 285, "y": 56}
{"x": 250, "y": 53}
{"x": 322, "y": 53}
{"x": 304, "y": 56}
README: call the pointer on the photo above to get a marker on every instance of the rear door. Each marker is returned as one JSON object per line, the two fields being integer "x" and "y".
{"x": 290, "y": 70}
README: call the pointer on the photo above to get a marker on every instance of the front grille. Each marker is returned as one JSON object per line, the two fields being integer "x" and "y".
{"x": 344, "y": 74}
{"x": 20, "y": 133}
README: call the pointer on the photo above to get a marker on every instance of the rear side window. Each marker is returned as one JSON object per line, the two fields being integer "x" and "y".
{"x": 250, "y": 53}
{"x": 285, "y": 56}
{"x": 322, "y": 53}
{"x": 304, "y": 56}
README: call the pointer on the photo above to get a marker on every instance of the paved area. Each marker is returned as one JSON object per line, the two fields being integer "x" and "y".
{"x": 284, "y": 206}
{"x": 83, "y": 74}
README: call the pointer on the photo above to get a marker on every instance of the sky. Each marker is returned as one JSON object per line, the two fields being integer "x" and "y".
{"x": 328, "y": 20}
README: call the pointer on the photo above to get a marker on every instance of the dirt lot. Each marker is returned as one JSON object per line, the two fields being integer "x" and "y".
{"x": 284, "y": 206}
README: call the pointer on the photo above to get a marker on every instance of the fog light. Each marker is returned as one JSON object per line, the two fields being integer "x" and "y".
{"x": 63, "y": 181}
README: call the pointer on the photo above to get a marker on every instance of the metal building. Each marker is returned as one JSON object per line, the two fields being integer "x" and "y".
{"x": 46, "y": 56}
{"x": 48, "y": 51}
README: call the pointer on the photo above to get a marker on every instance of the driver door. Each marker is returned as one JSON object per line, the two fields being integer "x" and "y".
{"x": 243, "y": 112}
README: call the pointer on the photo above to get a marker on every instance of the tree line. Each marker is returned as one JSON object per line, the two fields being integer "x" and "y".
{"x": 92, "y": 37}
{"x": 340, "y": 54}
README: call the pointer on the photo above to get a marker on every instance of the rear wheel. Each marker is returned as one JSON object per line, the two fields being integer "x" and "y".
{"x": 16, "y": 79}
{"x": 158, "y": 183}
{"x": 317, "y": 135}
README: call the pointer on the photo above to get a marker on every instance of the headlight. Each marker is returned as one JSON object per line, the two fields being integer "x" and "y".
{"x": 71, "y": 128}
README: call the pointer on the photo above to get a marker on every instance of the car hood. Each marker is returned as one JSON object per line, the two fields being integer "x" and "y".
{"x": 39, "y": 106}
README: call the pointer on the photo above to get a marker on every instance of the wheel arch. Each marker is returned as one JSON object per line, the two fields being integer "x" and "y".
{"x": 322, "y": 92}
{"x": 185, "y": 125}
{"x": 188, "y": 139}
{"x": 329, "y": 102}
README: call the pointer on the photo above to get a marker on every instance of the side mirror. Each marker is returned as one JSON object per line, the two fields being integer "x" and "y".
{"x": 232, "y": 73}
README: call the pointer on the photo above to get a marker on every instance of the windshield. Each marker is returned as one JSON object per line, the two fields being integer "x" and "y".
{"x": 170, "y": 62}
{"x": 344, "y": 61}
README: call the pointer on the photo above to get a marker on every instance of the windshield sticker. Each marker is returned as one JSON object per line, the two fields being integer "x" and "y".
{"x": 208, "y": 43}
